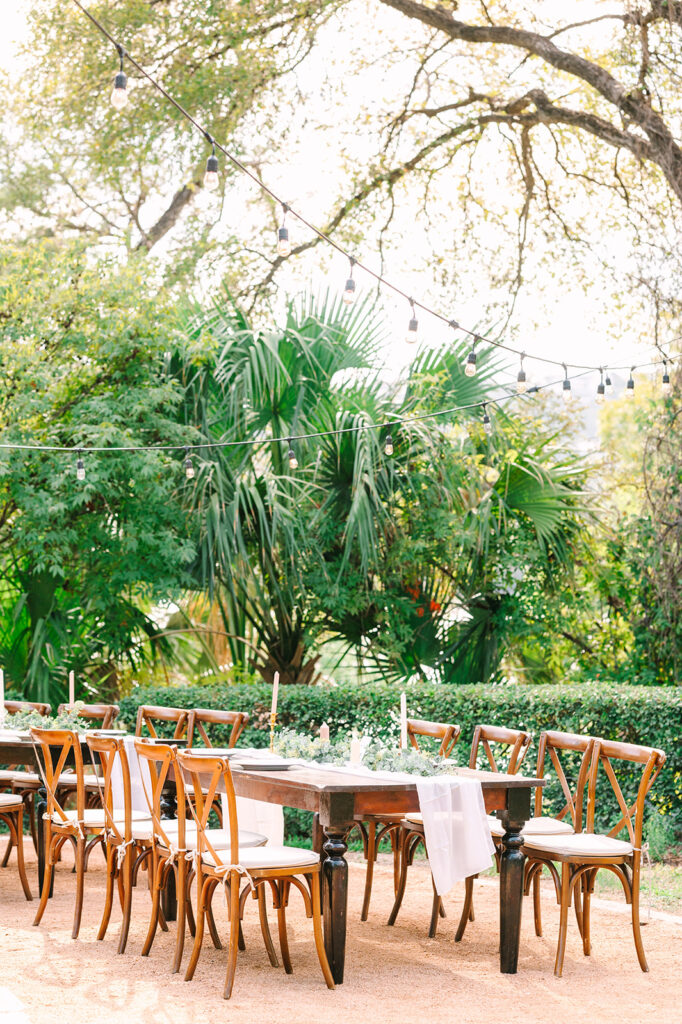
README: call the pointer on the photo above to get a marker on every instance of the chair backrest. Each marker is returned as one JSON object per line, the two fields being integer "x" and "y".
{"x": 608, "y": 751}
{"x": 149, "y": 714}
{"x": 201, "y": 717}
{"x": 161, "y": 762}
{"x": 56, "y": 745}
{"x": 14, "y": 707}
{"x": 104, "y": 714}
{"x": 515, "y": 742}
{"x": 555, "y": 749}
{"x": 111, "y": 752}
{"x": 205, "y": 778}
{"x": 447, "y": 734}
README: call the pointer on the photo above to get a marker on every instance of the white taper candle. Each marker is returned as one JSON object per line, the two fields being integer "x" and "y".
{"x": 403, "y": 722}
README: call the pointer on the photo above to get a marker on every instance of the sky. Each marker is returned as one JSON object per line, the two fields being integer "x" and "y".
{"x": 570, "y": 322}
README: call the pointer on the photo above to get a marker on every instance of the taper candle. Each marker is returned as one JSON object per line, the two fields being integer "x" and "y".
{"x": 403, "y": 722}
{"x": 2, "y": 695}
{"x": 324, "y": 732}
{"x": 275, "y": 691}
{"x": 72, "y": 687}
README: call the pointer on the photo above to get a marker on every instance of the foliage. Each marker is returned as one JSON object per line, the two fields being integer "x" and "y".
{"x": 83, "y": 349}
{"x": 24, "y": 720}
{"x": 633, "y": 714}
{"x": 377, "y": 754}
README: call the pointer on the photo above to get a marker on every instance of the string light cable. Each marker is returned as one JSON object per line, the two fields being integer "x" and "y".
{"x": 284, "y": 245}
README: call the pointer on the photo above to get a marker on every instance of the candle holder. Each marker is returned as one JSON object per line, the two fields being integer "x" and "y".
{"x": 273, "y": 722}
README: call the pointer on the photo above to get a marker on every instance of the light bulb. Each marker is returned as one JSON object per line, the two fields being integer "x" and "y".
{"x": 566, "y": 391}
{"x": 521, "y": 382}
{"x": 80, "y": 469}
{"x": 189, "y": 465}
{"x": 630, "y": 388}
{"x": 487, "y": 425}
{"x": 666, "y": 386}
{"x": 608, "y": 385}
{"x": 601, "y": 396}
{"x": 119, "y": 94}
{"x": 211, "y": 179}
{"x": 283, "y": 243}
{"x": 388, "y": 446}
{"x": 349, "y": 293}
{"x": 293, "y": 461}
{"x": 470, "y": 365}
{"x": 412, "y": 331}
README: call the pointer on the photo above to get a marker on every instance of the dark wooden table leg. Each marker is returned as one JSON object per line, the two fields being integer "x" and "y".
{"x": 511, "y": 878}
{"x": 335, "y": 897}
{"x": 169, "y": 898}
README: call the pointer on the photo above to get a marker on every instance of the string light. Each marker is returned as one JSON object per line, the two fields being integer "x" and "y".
{"x": 521, "y": 380}
{"x": 388, "y": 445}
{"x": 349, "y": 291}
{"x": 601, "y": 394}
{"x": 283, "y": 243}
{"x": 566, "y": 387}
{"x": 608, "y": 385}
{"x": 413, "y": 327}
{"x": 487, "y": 425}
{"x": 630, "y": 386}
{"x": 291, "y": 455}
{"x": 470, "y": 365}
{"x": 189, "y": 465}
{"x": 211, "y": 179}
{"x": 119, "y": 94}
{"x": 80, "y": 467}
{"x": 666, "y": 386}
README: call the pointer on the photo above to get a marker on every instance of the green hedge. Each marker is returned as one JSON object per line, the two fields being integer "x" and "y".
{"x": 648, "y": 715}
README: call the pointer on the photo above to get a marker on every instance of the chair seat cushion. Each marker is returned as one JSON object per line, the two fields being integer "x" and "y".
{"x": 7, "y": 775}
{"x": 264, "y": 858}
{"x": 218, "y": 837}
{"x": 94, "y": 817}
{"x": 541, "y": 826}
{"x": 32, "y": 780}
{"x": 583, "y": 844}
{"x": 10, "y": 802}
{"x": 414, "y": 819}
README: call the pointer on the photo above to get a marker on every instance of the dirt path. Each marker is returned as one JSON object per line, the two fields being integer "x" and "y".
{"x": 392, "y": 974}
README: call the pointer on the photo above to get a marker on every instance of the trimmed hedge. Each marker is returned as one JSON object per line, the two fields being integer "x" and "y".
{"x": 636, "y": 714}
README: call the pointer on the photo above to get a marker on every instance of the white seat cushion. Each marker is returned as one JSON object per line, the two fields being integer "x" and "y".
{"x": 583, "y": 844}
{"x": 541, "y": 826}
{"x": 414, "y": 819}
{"x": 265, "y": 857}
{"x": 10, "y": 802}
{"x": 94, "y": 817}
{"x": 218, "y": 837}
{"x": 65, "y": 779}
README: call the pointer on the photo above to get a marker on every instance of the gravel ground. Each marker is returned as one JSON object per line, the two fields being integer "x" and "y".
{"x": 391, "y": 973}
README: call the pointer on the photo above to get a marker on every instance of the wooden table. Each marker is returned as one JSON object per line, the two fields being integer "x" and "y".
{"x": 341, "y": 799}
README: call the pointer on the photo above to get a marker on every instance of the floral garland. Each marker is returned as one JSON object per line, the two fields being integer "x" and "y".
{"x": 376, "y": 754}
{"x": 22, "y": 721}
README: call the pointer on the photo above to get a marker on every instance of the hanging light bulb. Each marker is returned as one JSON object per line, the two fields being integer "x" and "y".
{"x": 413, "y": 327}
{"x": 283, "y": 243}
{"x": 521, "y": 379}
{"x": 388, "y": 445}
{"x": 349, "y": 291}
{"x": 470, "y": 365}
{"x": 291, "y": 455}
{"x": 80, "y": 466}
{"x": 601, "y": 391}
{"x": 666, "y": 386}
{"x": 189, "y": 465}
{"x": 630, "y": 386}
{"x": 566, "y": 387}
{"x": 119, "y": 94}
{"x": 487, "y": 425}
{"x": 211, "y": 179}
{"x": 608, "y": 385}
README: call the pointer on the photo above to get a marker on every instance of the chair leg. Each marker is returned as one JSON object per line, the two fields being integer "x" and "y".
{"x": 563, "y": 917}
{"x": 282, "y": 895}
{"x": 636, "y": 929}
{"x": 127, "y": 872}
{"x": 578, "y": 904}
{"x": 588, "y": 885}
{"x": 265, "y": 927}
{"x": 109, "y": 895}
{"x": 215, "y": 938}
{"x": 317, "y": 929}
{"x": 394, "y": 836}
{"x": 537, "y": 911}
{"x": 202, "y": 889}
{"x": 8, "y": 850}
{"x": 402, "y": 880}
{"x": 80, "y": 886}
{"x": 234, "y": 936}
{"x": 466, "y": 909}
{"x": 181, "y": 886}
{"x": 191, "y": 924}
{"x": 20, "y": 854}
{"x": 47, "y": 875}
{"x": 156, "y": 871}
{"x": 371, "y": 857}
{"x": 435, "y": 911}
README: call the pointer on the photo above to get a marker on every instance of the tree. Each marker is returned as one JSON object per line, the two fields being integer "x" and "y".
{"x": 83, "y": 349}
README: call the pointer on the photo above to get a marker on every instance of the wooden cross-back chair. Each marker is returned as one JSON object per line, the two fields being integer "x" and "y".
{"x": 82, "y": 826}
{"x": 496, "y": 744}
{"x": 242, "y": 870}
{"x": 12, "y": 814}
{"x": 201, "y": 717}
{"x": 124, "y": 852}
{"x": 582, "y": 854}
{"x": 24, "y": 783}
{"x": 148, "y": 715}
{"x": 103, "y": 714}
{"x": 377, "y": 827}
{"x": 15, "y": 707}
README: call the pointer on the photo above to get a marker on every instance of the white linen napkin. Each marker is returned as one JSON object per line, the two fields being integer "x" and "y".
{"x": 138, "y": 798}
{"x": 458, "y": 840}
